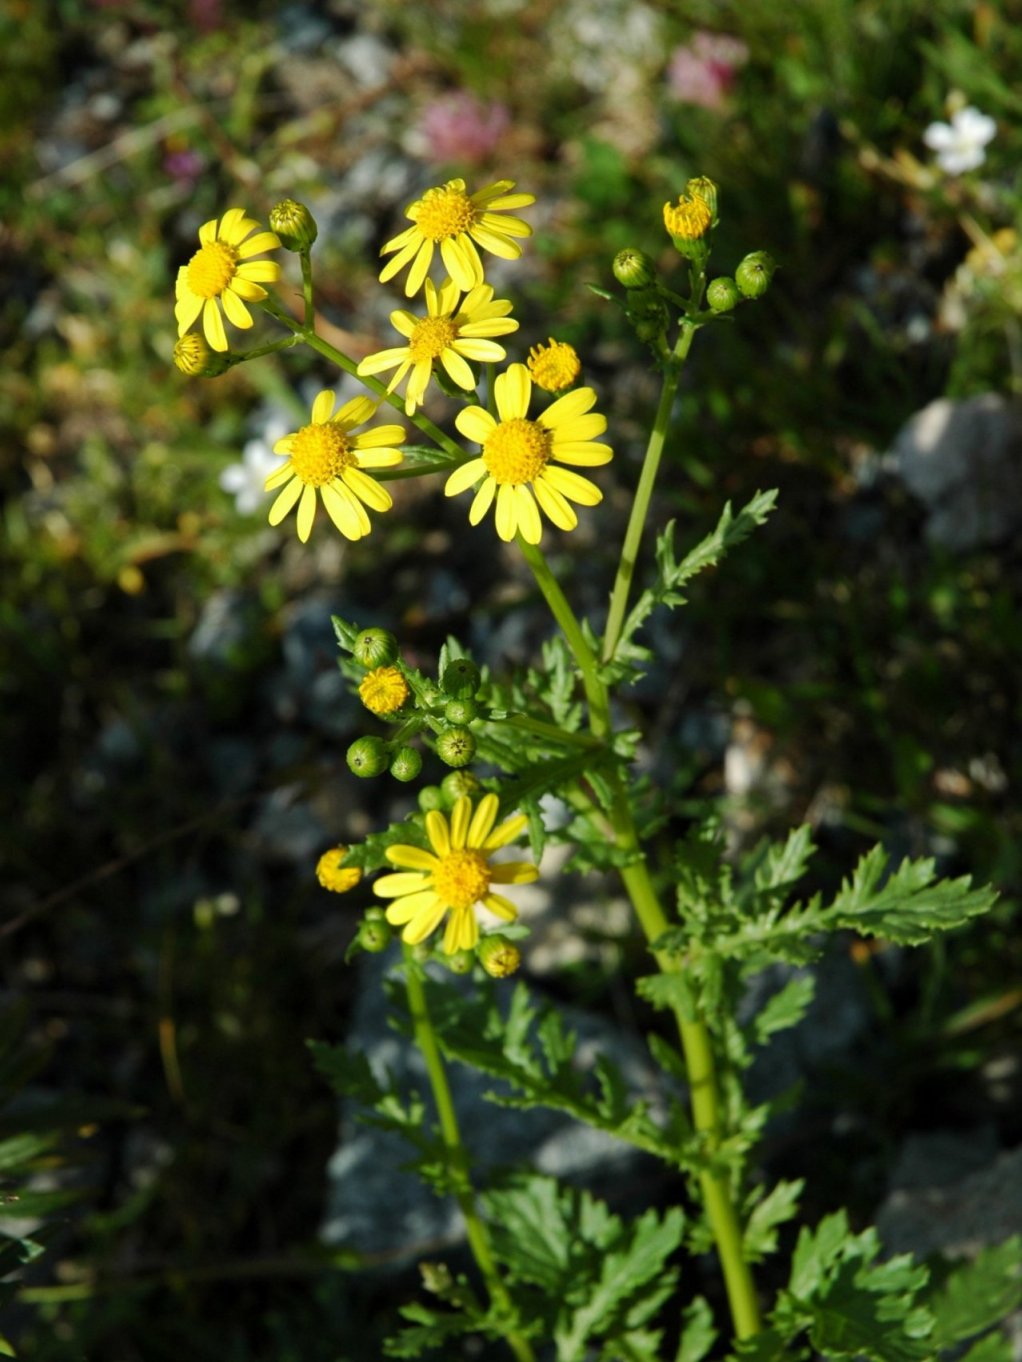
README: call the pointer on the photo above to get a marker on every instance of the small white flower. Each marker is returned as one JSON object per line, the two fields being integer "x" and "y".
{"x": 960, "y": 144}
{"x": 245, "y": 480}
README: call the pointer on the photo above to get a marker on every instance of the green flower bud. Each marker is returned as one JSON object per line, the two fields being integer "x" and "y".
{"x": 634, "y": 269}
{"x": 375, "y": 648}
{"x": 294, "y": 224}
{"x": 647, "y": 312}
{"x": 430, "y": 797}
{"x": 460, "y": 678}
{"x": 460, "y": 962}
{"x": 406, "y": 765}
{"x": 456, "y": 746}
{"x": 194, "y": 357}
{"x": 460, "y": 711}
{"x": 458, "y": 783}
{"x": 498, "y": 956}
{"x": 722, "y": 294}
{"x": 704, "y": 188}
{"x": 374, "y": 934}
{"x": 367, "y": 756}
{"x": 753, "y": 275}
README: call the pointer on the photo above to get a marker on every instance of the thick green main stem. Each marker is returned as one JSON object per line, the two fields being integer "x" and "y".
{"x": 704, "y": 1096}
{"x": 694, "y": 1035}
{"x": 457, "y": 1158}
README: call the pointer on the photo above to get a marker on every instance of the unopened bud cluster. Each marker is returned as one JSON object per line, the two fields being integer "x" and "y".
{"x": 690, "y": 222}
{"x": 448, "y": 707}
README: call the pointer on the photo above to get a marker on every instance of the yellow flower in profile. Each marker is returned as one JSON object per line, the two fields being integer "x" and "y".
{"x": 455, "y": 876}
{"x": 689, "y": 218}
{"x": 554, "y": 367}
{"x": 517, "y": 465}
{"x": 452, "y": 332}
{"x": 327, "y": 455}
{"x": 333, "y": 874}
{"x": 383, "y": 690}
{"x": 457, "y": 222}
{"x": 221, "y": 272}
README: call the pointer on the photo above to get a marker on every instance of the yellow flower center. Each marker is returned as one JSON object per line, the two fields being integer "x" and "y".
{"x": 430, "y": 338}
{"x": 212, "y": 268}
{"x": 320, "y": 453}
{"x": 688, "y": 218}
{"x": 444, "y": 212}
{"x": 554, "y": 367}
{"x": 517, "y": 451}
{"x": 462, "y": 878}
{"x": 383, "y": 690}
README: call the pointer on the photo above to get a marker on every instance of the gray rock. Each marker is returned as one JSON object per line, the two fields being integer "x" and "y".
{"x": 963, "y": 461}
{"x": 957, "y": 1214}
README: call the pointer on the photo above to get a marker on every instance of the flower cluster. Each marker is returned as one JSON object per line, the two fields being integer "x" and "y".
{"x": 524, "y": 466}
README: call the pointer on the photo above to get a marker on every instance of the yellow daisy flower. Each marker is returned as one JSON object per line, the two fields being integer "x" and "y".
{"x": 517, "y": 465}
{"x": 452, "y": 332}
{"x": 326, "y": 455}
{"x": 457, "y": 222}
{"x": 221, "y": 272}
{"x": 455, "y": 876}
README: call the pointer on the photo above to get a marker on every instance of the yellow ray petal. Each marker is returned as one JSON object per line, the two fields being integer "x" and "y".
{"x": 306, "y": 513}
{"x": 481, "y": 501}
{"x": 464, "y": 477}
{"x": 285, "y": 500}
{"x": 396, "y": 886}
{"x": 513, "y": 389}
{"x": 482, "y": 820}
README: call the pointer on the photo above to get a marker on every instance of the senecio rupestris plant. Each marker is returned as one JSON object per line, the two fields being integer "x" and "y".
{"x": 559, "y": 1274}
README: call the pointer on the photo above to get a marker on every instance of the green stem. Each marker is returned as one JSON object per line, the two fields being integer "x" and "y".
{"x": 457, "y": 1158}
{"x": 271, "y": 348}
{"x": 551, "y": 732}
{"x": 644, "y": 491}
{"x": 588, "y": 665}
{"x": 707, "y": 1116}
{"x": 307, "y": 333}
{"x": 310, "y": 307}
{"x": 704, "y": 1095}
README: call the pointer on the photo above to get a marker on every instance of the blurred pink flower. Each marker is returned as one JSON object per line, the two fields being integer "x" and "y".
{"x": 703, "y": 71}
{"x": 206, "y": 15}
{"x": 183, "y": 165}
{"x": 459, "y": 127}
